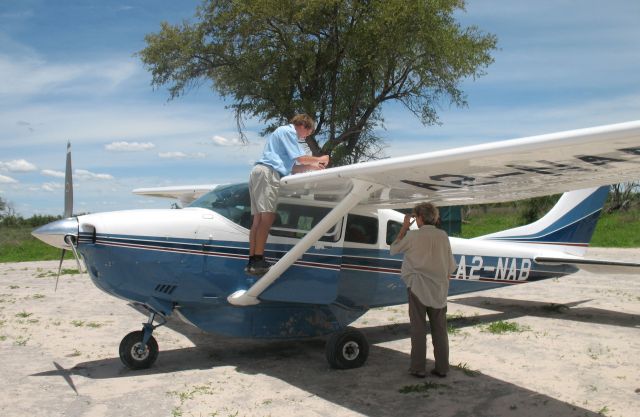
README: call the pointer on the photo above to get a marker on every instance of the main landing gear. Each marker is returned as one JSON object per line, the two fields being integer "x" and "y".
{"x": 139, "y": 349}
{"x": 347, "y": 349}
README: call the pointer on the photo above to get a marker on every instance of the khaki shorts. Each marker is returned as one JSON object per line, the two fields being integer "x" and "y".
{"x": 264, "y": 183}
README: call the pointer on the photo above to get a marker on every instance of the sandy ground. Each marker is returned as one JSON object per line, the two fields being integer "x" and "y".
{"x": 578, "y": 355}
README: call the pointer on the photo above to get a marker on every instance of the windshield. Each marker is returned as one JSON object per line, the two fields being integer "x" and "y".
{"x": 292, "y": 220}
{"x": 231, "y": 201}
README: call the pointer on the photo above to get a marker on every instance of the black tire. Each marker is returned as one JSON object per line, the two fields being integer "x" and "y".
{"x": 347, "y": 349}
{"x": 132, "y": 353}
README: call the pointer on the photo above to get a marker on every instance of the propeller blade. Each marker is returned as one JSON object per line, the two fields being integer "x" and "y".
{"x": 68, "y": 186}
{"x": 59, "y": 269}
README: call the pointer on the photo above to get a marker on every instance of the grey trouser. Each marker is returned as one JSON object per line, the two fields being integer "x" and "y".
{"x": 439, "y": 336}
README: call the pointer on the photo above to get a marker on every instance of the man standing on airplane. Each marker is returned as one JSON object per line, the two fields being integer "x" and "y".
{"x": 282, "y": 155}
{"x": 427, "y": 264}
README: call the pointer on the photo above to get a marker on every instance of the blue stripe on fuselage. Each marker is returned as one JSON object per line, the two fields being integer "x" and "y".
{"x": 212, "y": 270}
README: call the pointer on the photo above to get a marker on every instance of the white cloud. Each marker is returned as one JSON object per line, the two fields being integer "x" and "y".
{"x": 88, "y": 175}
{"x": 52, "y": 173}
{"x": 129, "y": 146}
{"x": 182, "y": 155}
{"x": 52, "y": 186}
{"x": 7, "y": 180}
{"x": 222, "y": 141}
{"x": 18, "y": 165}
{"x": 31, "y": 75}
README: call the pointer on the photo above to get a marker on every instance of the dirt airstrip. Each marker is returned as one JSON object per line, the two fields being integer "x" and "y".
{"x": 575, "y": 352}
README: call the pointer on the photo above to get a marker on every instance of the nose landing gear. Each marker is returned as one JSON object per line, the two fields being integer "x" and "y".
{"x": 139, "y": 349}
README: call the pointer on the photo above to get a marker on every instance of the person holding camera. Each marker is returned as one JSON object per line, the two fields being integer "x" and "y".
{"x": 427, "y": 264}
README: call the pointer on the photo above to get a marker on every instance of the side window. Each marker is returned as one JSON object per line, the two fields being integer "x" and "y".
{"x": 295, "y": 221}
{"x": 393, "y": 228}
{"x": 361, "y": 229}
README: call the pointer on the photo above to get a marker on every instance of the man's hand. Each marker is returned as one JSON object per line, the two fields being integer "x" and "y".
{"x": 406, "y": 224}
{"x": 323, "y": 161}
{"x": 310, "y": 163}
{"x": 408, "y": 221}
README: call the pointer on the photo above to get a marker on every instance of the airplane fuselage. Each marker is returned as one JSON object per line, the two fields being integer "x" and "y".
{"x": 188, "y": 261}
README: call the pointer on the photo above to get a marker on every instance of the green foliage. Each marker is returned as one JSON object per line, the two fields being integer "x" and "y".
{"x": 500, "y": 327}
{"x": 335, "y": 60}
{"x": 14, "y": 220}
{"x": 534, "y": 208}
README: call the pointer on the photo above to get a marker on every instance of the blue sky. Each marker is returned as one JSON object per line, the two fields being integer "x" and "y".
{"x": 68, "y": 73}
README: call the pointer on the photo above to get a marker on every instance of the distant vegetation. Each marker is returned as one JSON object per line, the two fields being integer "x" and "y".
{"x": 618, "y": 226}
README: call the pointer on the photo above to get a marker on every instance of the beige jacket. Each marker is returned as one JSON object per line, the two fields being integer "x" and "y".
{"x": 427, "y": 264}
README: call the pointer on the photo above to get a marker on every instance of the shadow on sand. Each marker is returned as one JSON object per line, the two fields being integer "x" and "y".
{"x": 375, "y": 389}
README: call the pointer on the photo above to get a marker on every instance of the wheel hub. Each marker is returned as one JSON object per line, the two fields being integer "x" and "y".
{"x": 139, "y": 352}
{"x": 350, "y": 350}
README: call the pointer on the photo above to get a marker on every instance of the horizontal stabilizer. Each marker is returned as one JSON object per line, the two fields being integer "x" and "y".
{"x": 595, "y": 266}
{"x": 183, "y": 193}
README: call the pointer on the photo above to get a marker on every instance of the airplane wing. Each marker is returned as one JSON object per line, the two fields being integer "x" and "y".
{"x": 183, "y": 193}
{"x": 487, "y": 173}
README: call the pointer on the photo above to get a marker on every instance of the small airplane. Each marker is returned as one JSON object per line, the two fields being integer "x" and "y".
{"x": 330, "y": 242}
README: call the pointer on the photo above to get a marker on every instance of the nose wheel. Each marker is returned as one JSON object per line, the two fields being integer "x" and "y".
{"x": 138, "y": 355}
{"x": 139, "y": 349}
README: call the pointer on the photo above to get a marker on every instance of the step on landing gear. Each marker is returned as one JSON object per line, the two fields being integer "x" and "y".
{"x": 139, "y": 349}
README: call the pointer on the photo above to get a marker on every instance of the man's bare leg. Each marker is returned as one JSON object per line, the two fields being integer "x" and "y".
{"x": 258, "y": 238}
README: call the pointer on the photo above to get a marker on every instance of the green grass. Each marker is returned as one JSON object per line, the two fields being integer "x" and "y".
{"x": 615, "y": 230}
{"x": 17, "y": 245}
{"x": 618, "y": 230}
{"x": 487, "y": 223}
{"x": 421, "y": 388}
{"x": 500, "y": 327}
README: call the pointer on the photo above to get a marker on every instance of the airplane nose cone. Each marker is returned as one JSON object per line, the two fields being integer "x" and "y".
{"x": 54, "y": 233}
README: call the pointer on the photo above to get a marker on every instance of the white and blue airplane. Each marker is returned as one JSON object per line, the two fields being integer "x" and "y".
{"x": 330, "y": 242}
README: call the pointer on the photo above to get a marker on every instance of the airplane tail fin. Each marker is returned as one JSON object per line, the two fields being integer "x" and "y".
{"x": 568, "y": 226}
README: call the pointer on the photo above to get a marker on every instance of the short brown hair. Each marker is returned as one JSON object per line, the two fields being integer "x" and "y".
{"x": 303, "y": 120}
{"x": 427, "y": 212}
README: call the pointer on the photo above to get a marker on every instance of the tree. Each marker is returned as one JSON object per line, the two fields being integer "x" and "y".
{"x": 337, "y": 60}
{"x": 621, "y": 196}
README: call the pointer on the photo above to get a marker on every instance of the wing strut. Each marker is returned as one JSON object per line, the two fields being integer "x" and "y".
{"x": 359, "y": 190}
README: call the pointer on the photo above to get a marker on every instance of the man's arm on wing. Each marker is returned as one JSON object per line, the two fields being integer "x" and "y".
{"x": 310, "y": 163}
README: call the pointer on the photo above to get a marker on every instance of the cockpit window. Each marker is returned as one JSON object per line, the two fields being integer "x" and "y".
{"x": 292, "y": 220}
{"x": 361, "y": 229}
{"x": 231, "y": 201}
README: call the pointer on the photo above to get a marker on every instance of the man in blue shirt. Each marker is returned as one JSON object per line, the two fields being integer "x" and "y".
{"x": 282, "y": 155}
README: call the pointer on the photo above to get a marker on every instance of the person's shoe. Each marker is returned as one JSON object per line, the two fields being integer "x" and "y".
{"x": 249, "y": 265}
{"x": 417, "y": 374}
{"x": 259, "y": 267}
{"x": 438, "y": 374}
